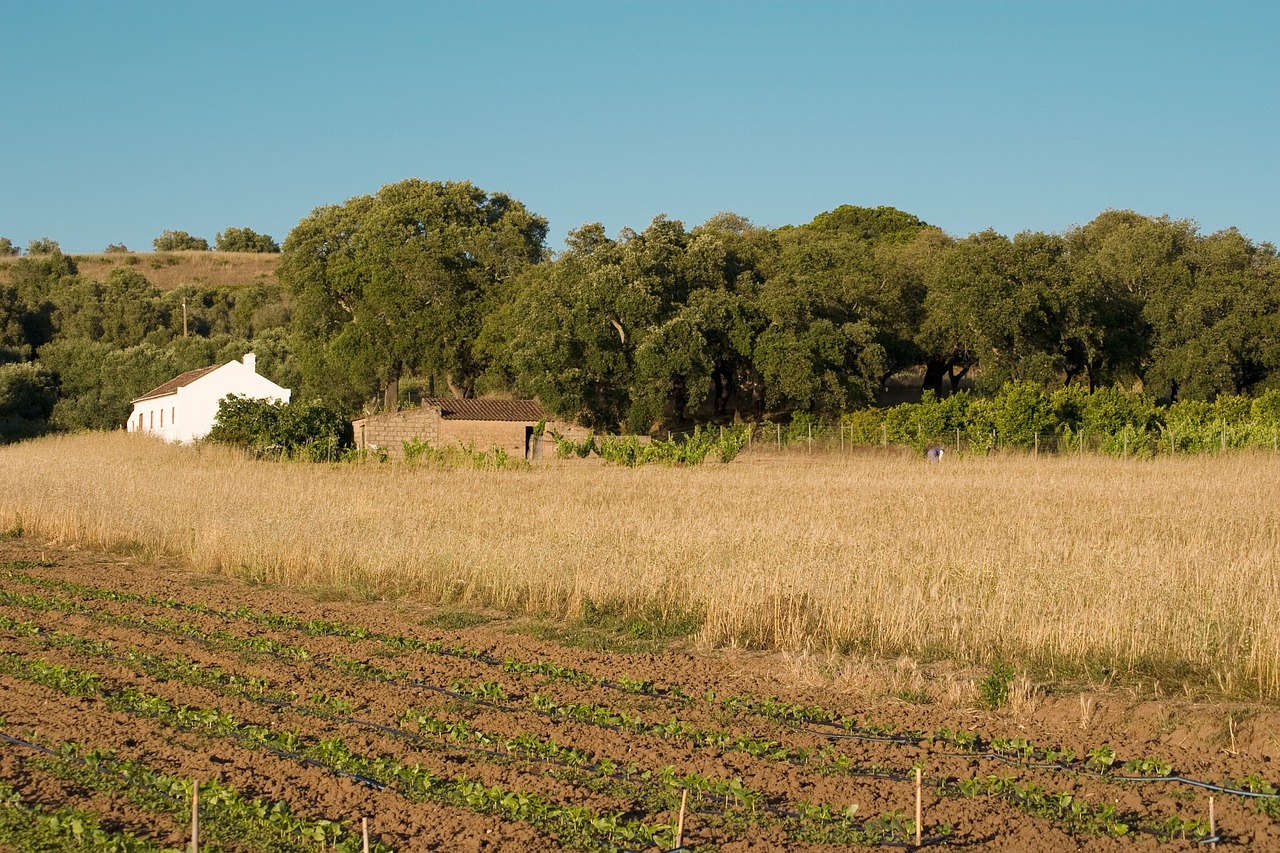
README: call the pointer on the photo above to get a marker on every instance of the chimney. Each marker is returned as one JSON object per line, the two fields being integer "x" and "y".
{"x": 251, "y": 361}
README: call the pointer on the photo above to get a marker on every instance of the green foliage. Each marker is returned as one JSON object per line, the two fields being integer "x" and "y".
{"x": 303, "y": 430}
{"x": 28, "y": 394}
{"x": 693, "y": 448}
{"x": 115, "y": 248}
{"x": 7, "y": 248}
{"x": 244, "y": 240}
{"x": 993, "y": 690}
{"x": 42, "y": 246}
{"x": 398, "y": 283}
{"x": 567, "y": 448}
{"x": 179, "y": 241}
{"x": 1022, "y": 411}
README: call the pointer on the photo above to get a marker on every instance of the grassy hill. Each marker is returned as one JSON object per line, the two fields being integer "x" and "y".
{"x": 169, "y": 270}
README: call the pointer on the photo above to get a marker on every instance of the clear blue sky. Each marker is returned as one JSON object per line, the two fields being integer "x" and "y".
{"x": 123, "y": 119}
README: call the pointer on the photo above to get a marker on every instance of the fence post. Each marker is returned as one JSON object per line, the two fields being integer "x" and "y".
{"x": 779, "y": 436}
{"x": 957, "y": 441}
{"x": 810, "y": 438}
{"x": 884, "y": 435}
{"x": 1036, "y": 452}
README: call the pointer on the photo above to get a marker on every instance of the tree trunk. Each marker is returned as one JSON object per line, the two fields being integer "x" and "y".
{"x": 934, "y": 371}
{"x": 391, "y": 393}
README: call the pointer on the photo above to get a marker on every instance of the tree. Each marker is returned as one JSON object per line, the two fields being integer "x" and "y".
{"x": 1116, "y": 262}
{"x": 123, "y": 311}
{"x": 179, "y": 241}
{"x": 996, "y": 301}
{"x": 7, "y": 248}
{"x": 27, "y": 396}
{"x": 116, "y": 248}
{"x": 42, "y": 246}
{"x": 244, "y": 240}
{"x": 1216, "y": 330}
{"x": 398, "y": 283}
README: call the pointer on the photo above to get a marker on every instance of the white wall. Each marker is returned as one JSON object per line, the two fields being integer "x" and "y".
{"x": 195, "y": 406}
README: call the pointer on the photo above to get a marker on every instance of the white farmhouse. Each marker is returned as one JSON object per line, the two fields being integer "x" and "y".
{"x": 184, "y": 408}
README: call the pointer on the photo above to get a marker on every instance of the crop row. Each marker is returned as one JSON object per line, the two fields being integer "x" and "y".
{"x": 226, "y": 816}
{"x": 807, "y": 821}
{"x": 572, "y": 824}
{"x": 1018, "y": 752}
{"x": 1060, "y": 807}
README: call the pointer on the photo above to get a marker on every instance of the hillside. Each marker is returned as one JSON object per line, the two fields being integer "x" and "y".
{"x": 169, "y": 270}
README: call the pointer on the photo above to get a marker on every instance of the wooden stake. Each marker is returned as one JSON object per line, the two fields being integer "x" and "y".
{"x": 1213, "y": 830}
{"x": 684, "y": 798}
{"x": 364, "y": 831}
{"x": 195, "y": 816}
{"x": 919, "y": 808}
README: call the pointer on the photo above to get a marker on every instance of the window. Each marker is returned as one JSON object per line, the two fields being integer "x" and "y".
{"x": 173, "y": 415}
{"x": 162, "y": 419}
{"x": 151, "y": 422}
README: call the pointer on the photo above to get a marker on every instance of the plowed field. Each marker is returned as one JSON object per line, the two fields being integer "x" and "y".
{"x": 122, "y": 680}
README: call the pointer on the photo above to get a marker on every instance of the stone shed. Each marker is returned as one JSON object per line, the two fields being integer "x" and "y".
{"x": 446, "y": 422}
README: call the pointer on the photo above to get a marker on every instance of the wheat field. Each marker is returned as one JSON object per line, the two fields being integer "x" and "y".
{"x": 1164, "y": 568}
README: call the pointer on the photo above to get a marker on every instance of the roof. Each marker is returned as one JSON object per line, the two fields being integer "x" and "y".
{"x": 486, "y": 410}
{"x": 172, "y": 386}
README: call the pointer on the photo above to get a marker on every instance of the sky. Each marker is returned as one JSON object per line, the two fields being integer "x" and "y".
{"x": 123, "y": 119}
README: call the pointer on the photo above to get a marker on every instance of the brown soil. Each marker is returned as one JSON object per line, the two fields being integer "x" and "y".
{"x": 1205, "y": 741}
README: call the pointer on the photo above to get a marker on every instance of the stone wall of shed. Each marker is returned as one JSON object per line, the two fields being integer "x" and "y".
{"x": 484, "y": 435}
{"x": 390, "y": 430}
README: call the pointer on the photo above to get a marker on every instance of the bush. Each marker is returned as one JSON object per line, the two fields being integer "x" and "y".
{"x": 1022, "y": 412}
{"x": 115, "y": 248}
{"x": 305, "y": 430}
{"x": 179, "y": 241}
{"x": 7, "y": 248}
{"x": 43, "y": 246}
{"x": 27, "y": 397}
{"x": 244, "y": 240}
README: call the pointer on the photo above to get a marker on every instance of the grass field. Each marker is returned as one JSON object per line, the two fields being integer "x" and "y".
{"x": 169, "y": 270}
{"x": 1156, "y": 570}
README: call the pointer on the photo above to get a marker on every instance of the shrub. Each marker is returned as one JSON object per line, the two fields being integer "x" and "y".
{"x": 306, "y": 430}
{"x": 178, "y": 241}
{"x": 116, "y": 248}
{"x": 244, "y": 240}
{"x": 43, "y": 246}
{"x": 7, "y": 248}
{"x": 1022, "y": 412}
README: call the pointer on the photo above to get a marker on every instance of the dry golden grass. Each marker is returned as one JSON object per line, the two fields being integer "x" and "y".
{"x": 170, "y": 270}
{"x": 1164, "y": 567}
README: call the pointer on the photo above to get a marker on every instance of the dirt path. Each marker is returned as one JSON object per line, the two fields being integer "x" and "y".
{"x": 522, "y": 744}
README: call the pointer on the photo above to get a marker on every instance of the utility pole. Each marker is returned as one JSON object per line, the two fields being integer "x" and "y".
{"x": 184, "y": 316}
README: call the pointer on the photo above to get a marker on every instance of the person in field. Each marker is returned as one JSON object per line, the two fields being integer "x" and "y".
{"x": 933, "y": 454}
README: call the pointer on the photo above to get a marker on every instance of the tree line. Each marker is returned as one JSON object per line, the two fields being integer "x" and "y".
{"x": 427, "y": 288}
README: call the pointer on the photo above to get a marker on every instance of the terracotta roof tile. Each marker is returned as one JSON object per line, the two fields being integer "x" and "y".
{"x": 172, "y": 386}
{"x": 487, "y": 410}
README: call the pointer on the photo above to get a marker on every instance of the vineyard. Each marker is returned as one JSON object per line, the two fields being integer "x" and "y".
{"x": 124, "y": 683}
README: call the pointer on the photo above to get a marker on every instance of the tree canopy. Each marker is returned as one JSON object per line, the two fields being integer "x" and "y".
{"x": 244, "y": 240}
{"x": 399, "y": 282}
{"x": 445, "y": 288}
{"x": 179, "y": 241}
